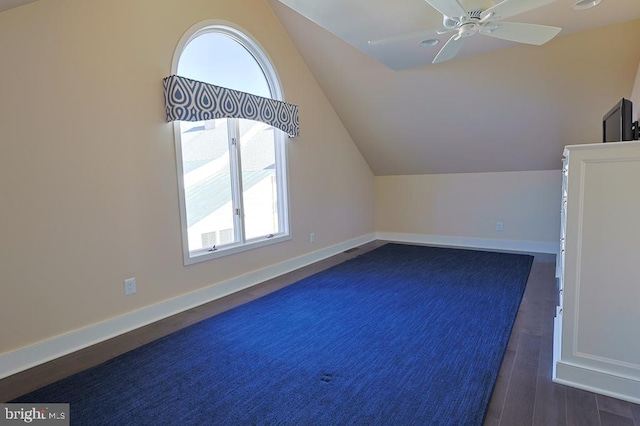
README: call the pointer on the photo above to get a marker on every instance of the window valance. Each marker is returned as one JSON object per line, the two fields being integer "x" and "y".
{"x": 192, "y": 100}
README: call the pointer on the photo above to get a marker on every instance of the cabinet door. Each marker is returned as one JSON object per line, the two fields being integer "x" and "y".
{"x": 597, "y": 341}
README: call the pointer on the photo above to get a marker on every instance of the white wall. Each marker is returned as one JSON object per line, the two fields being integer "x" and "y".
{"x": 87, "y": 163}
{"x": 462, "y": 209}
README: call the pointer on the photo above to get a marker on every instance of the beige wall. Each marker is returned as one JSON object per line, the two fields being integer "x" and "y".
{"x": 87, "y": 164}
{"x": 469, "y": 205}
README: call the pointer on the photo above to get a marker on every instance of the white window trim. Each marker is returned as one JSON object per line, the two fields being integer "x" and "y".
{"x": 259, "y": 53}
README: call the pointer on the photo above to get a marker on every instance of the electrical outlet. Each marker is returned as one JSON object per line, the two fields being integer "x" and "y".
{"x": 499, "y": 226}
{"x": 129, "y": 286}
{"x": 312, "y": 237}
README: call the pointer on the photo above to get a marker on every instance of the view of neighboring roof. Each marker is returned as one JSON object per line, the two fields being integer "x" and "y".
{"x": 205, "y": 145}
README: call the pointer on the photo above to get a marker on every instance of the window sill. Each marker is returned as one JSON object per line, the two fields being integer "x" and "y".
{"x": 203, "y": 255}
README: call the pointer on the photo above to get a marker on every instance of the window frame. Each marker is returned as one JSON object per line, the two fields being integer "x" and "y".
{"x": 242, "y": 37}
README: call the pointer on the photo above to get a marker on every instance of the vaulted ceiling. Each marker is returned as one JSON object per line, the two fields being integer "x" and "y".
{"x": 498, "y": 106}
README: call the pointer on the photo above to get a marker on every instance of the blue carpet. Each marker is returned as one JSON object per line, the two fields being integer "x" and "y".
{"x": 402, "y": 335}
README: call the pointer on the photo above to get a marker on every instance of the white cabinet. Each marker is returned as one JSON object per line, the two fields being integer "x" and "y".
{"x": 597, "y": 326}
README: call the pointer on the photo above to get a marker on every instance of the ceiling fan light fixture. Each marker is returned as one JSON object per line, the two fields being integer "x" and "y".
{"x": 585, "y": 4}
{"x": 429, "y": 42}
{"x": 464, "y": 24}
{"x": 449, "y": 23}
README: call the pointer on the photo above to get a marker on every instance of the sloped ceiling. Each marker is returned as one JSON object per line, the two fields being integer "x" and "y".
{"x": 508, "y": 108}
{"x": 359, "y": 22}
{"x": 498, "y": 106}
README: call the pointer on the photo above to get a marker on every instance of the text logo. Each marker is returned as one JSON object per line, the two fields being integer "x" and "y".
{"x": 36, "y": 414}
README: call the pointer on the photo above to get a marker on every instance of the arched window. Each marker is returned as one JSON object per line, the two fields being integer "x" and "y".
{"x": 231, "y": 171}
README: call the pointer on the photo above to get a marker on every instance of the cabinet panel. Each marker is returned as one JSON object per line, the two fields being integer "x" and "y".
{"x": 597, "y": 337}
{"x": 607, "y": 313}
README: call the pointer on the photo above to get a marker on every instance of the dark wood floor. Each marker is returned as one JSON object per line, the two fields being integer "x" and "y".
{"x": 523, "y": 395}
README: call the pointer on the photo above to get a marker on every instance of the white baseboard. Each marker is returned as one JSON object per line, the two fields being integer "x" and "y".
{"x": 605, "y": 383}
{"x": 467, "y": 242}
{"x": 21, "y": 359}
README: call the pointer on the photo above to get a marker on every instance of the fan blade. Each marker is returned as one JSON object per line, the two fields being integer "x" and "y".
{"x": 449, "y": 50}
{"x": 449, "y": 8}
{"x": 509, "y": 8}
{"x": 523, "y": 33}
{"x": 407, "y": 36}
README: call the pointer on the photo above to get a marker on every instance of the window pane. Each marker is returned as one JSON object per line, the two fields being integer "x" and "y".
{"x": 259, "y": 186}
{"x": 207, "y": 183}
{"x": 201, "y": 60}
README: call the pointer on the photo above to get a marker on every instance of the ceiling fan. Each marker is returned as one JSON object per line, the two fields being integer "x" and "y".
{"x": 487, "y": 22}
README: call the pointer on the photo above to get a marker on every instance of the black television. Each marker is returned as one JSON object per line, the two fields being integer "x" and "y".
{"x": 617, "y": 124}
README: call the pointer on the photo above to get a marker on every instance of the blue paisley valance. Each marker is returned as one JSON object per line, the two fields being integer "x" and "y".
{"x": 191, "y": 100}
